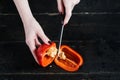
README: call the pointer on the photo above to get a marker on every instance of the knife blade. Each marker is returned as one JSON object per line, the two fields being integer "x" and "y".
{"x": 60, "y": 41}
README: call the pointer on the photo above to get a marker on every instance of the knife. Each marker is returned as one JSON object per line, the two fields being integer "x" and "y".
{"x": 62, "y": 16}
{"x": 60, "y": 39}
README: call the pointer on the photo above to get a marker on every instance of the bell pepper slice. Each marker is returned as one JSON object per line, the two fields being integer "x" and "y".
{"x": 69, "y": 59}
{"x": 46, "y": 53}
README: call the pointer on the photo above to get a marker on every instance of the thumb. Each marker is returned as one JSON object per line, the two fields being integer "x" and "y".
{"x": 68, "y": 14}
{"x": 68, "y": 11}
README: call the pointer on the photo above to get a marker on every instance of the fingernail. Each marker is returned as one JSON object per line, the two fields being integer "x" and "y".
{"x": 49, "y": 42}
{"x": 37, "y": 46}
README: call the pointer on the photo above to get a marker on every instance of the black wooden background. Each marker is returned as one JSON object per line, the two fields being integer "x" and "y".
{"x": 93, "y": 31}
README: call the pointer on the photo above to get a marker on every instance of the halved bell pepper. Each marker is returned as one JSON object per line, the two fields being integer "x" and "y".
{"x": 46, "y": 53}
{"x": 68, "y": 59}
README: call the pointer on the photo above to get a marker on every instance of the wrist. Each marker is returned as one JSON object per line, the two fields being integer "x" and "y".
{"x": 27, "y": 23}
{"x": 27, "y": 19}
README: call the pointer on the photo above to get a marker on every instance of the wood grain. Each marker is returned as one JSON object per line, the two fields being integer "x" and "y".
{"x": 93, "y": 31}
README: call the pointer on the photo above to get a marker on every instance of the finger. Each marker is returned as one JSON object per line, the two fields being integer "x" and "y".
{"x": 72, "y": 6}
{"x": 78, "y": 1}
{"x": 31, "y": 45}
{"x": 44, "y": 38}
{"x": 60, "y": 6}
{"x": 68, "y": 11}
{"x": 37, "y": 43}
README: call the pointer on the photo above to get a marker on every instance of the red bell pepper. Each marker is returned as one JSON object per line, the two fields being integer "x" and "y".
{"x": 68, "y": 59}
{"x": 46, "y": 53}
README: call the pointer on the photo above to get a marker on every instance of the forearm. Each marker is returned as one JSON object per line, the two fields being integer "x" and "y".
{"x": 24, "y": 10}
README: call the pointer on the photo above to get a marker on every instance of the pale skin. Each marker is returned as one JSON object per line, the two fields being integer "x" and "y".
{"x": 33, "y": 29}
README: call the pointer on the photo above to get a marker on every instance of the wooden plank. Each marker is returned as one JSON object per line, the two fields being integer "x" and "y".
{"x": 41, "y": 6}
{"x": 93, "y": 31}
{"x": 89, "y": 76}
{"x": 84, "y": 27}
{"x": 99, "y": 56}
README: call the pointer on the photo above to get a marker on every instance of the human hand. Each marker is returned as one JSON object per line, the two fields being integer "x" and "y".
{"x": 33, "y": 31}
{"x": 66, "y": 7}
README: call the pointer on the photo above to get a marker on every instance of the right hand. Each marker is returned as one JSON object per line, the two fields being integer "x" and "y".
{"x": 33, "y": 31}
{"x": 66, "y": 7}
